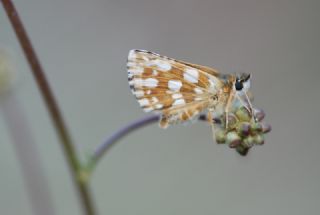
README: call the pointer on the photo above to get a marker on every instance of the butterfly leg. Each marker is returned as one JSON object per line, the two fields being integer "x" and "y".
{"x": 211, "y": 121}
{"x": 244, "y": 103}
{"x": 250, "y": 106}
{"x": 164, "y": 121}
{"x": 227, "y": 107}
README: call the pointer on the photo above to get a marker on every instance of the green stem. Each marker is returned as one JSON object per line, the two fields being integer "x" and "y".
{"x": 52, "y": 106}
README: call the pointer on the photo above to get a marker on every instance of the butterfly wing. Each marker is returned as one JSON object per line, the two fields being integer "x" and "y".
{"x": 178, "y": 90}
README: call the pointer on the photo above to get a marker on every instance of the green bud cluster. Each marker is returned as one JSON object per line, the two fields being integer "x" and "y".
{"x": 243, "y": 130}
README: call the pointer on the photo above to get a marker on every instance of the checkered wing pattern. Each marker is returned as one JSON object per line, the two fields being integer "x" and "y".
{"x": 177, "y": 89}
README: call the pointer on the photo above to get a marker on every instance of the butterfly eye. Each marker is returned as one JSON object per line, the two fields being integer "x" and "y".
{"x": 238, "y": 85}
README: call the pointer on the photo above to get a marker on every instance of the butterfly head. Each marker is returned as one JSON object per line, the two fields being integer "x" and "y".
{"x": 242, "y": 82}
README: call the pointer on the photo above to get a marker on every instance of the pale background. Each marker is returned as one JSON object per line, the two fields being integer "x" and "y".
{"x": 83, "y": 47}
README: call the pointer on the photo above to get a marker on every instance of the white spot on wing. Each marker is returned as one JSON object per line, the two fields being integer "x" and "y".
{"x": 131, "y": 64}
{"x": 154, "y": 72}
{"x": 136, "y": 71}
{"x": 177, "y": 96}
{"x": 144, "y": 102}
{"x": 158, "y": 106}
{"x": 191, "y": 75}
{"x": 213, "y": 83}
{"x": 137, "y": 82}
{"x": 179, "y": 102}
{"x": 163, "y": 65}
{"x": 150, "y": 82}
{"x": 198, "y": 90}
{"x": 174, "y": 85}
{"x": 132, "y": 54}
{"x": 138, "y": 93}
{"x": 148, "y": 109}
{"x": 160, "y": 64}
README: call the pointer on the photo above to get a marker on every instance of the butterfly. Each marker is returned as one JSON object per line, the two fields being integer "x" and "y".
{"x": 180, "y": 91}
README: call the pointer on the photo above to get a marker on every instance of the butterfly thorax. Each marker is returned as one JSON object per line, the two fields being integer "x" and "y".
{"x": 219, "y": 96}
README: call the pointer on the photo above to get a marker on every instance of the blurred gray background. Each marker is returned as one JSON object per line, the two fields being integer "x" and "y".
{"x": 83, "y": 47}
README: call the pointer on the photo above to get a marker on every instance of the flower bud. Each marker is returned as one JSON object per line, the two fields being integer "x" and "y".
{"x": 220, "y": 136}
{"x": 265, "y": 127}
{"x": 233, "y": 139}
{"x": 256, "y": 127}
{"x": 232, "y": 121}
{"x": 243, "y": 114}
{"x": 258, "y": 114}
{"x": 258, "y": 139}
{"x": 248, "y": 142}
{"x": 242, "y": 150}
{"x": 243, "y": 129}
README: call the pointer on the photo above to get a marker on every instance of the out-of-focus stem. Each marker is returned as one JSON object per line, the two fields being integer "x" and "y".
{"x": 52, "y": 106}
{"x": 31, "y": 166}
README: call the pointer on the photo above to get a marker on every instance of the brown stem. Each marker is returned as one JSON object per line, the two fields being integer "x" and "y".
{"x": 53, "y": 109}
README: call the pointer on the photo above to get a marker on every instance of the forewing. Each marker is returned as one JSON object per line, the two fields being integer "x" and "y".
{"x": 177, "y": 89}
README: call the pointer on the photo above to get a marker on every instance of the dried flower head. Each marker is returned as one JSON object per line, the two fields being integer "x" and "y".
{"x": 244, "y": 130}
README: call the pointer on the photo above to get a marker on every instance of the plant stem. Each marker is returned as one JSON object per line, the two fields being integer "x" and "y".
{"x": 31, "y": 167}
{"x": 106, "y": 145}
{"x": 52, "y": 106}
{"x": 109, "y": 142}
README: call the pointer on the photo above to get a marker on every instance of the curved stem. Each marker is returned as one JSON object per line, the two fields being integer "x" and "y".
{"x": 52, "y": 106}
{"x": 104, "y": 147}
